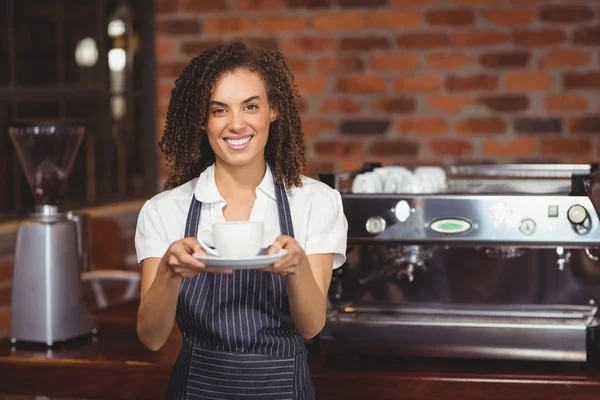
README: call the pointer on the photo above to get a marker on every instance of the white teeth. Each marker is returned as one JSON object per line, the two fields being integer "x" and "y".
{"x": 238, "y": 142}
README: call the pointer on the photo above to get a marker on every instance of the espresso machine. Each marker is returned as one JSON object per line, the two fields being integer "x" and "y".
{"x": 47, "y": 304}
{"x": 469, "y": 261}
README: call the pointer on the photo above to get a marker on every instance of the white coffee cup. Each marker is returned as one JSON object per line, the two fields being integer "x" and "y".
{"x": 241, "y": 239}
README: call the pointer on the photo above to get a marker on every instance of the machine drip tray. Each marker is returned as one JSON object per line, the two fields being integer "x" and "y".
{"x": 545, "y": 333}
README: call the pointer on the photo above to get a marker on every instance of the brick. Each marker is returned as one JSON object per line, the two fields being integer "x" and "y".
{"x": 163, "y": 48}
{"x": 6, "y": 270}
{"x": 259, "y": 5}
{"x": 505, "y": 59}
{"x": 404, "y": 3}
{"x": 393, "y": 62}
{"x": 566, "y": 146}
{"x": 471, "y": 82}
{"x": 478, "y": 38}
{"x": 423, "y": 126}
{"x": 204, "y": 6}
{"x": 338, "y": 149}
{"x": 565, "y": 102}
{"x": 518, "y": 147}
{"x": 351, "y": 165}
{"x": 178, "y": 27}
{"x": 505, "y": 103}
{"x": 301, "y": 104}
{"x": 335, "y": 65}
{"x": 288, "y": 23}
{"x": 448, "y": 61}
{"x": 582, "y": 80}
{"x": 308, "y": 44}
{"x": 311, "y": 85}
{"x": 361, "y": 84}
{"x": 481, "y": 126}
{"x": 265, "y": 43}
{"x": 362, "y": 44}
{"x": 589, "y": 35}
{"x": 164, "y": 92}
{"x": 566, "y": 13}
{"x": 299, "y": 66}
{"x": 364, "y": 126}
{"x": 171, "y": 69}
{"x": 362, "y": 3}
{"x": 475, "y": 2}
{"x": 165, "y": 6}
{"x": 339, "y": 22}
{"x": 509, "y": 16}
{"x": 450, "y": 17}
{"x": 422, "y": 40}
{"x": 538, "y": 125}
{"x": 565, "y": 58}
{"x": 315, "y": 127}
{"x": 316, "y": 167}
{"x": 518, "y": 81}
{"x": 449, "y": 104}
{"x": 538, "y": 37}
{"x": 417, "y": 83}
{"x": 451, "y": 147}
{"x": 341, "y": 105}
{"x": 586, "y": 124}
{"x": 5, "y": 294}
{"x": 395, "y": 105}
{"x": 195, "y": 47}
{"x": 308, "y": 3}
{"x": 398, "y": 147}
{"x": 393, "y": 19}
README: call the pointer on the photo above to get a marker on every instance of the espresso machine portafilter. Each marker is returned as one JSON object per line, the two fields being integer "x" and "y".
{"x": 47, "y": 304}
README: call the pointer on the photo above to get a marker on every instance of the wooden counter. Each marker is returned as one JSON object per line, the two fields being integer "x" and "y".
{"x": 116, "y": 366}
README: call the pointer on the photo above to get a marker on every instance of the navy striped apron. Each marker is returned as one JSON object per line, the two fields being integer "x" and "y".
{"x": 239, "y": 340}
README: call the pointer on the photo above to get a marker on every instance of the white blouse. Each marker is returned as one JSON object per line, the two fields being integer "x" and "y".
{"x": 320, "y": 225}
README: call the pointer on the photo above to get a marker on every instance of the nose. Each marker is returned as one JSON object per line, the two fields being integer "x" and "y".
{"x": 237, "y": 124}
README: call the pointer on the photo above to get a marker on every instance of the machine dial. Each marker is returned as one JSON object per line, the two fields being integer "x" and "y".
{"x": 375, "y": 225}
{"x": 579, "y": 218}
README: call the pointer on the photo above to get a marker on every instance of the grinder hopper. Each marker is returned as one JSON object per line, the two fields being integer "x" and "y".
{"x": 47, "y": 304}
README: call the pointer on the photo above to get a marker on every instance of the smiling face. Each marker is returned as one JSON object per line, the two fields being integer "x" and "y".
{"x": 239, "y": 117}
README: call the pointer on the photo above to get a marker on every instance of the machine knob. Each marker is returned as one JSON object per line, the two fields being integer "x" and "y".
{"x": 375, "y": 225}
{"x": 579, "y": 218}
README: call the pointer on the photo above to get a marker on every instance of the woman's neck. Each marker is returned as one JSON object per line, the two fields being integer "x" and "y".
{"x": 233, "y": 181}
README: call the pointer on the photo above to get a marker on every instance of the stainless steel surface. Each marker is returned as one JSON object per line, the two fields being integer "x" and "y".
{"x": 82, "y": 228}
{"x": 47, "y": 303}
{"x": 437, "y": 332}
{"x": 500, "y": 262}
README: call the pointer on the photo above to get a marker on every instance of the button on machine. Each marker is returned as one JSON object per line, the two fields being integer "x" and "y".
{"x": 579, "y": 218}
{"x": 552, "y": 211}
{"x": 527, "y": 227}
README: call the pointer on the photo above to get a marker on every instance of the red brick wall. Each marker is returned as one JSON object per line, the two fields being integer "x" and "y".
{"x": 406, "y": 80}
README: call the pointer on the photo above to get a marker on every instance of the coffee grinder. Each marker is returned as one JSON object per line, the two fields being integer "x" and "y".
{"x": 47, "y": 304}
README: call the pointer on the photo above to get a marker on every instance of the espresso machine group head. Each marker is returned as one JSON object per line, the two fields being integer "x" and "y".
{"x": 47, "y": 304}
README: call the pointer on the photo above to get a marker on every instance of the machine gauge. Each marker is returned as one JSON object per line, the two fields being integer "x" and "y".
{"x": 450, "y": 226}
{"x": 527, "y": 227}
{"x": 375, "y": 225}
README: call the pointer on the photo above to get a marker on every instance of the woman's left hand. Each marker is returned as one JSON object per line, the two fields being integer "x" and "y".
{"x": 293, "y": 261}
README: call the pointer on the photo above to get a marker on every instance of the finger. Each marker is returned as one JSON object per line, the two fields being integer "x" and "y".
{"x": 191, "y": 244}
{"x": 280, "y": 243}
{"x": 285, "y": 261}
{"x": 189, "y": 260}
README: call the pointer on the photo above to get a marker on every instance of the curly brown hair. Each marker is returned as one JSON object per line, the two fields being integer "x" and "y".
{"x": 184, "y": 142}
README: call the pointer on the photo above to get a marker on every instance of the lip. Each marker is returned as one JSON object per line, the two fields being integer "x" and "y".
{"x": 241, "y": 147}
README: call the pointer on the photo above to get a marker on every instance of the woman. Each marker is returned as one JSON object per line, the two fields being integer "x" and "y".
{"x": 234, "y": 148}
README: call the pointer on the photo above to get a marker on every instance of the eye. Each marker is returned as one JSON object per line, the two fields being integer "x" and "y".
{"x": 218, "y": 111}
{"x": 252, "y": 107}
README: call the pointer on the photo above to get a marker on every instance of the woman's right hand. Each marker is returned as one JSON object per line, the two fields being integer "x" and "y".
{"x": 179, "y": 259}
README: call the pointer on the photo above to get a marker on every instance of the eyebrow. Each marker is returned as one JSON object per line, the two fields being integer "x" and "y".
{"x": 248, "y": 100}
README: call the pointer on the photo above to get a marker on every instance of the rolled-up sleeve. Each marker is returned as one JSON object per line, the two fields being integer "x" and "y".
{"x": 150, "y": 234}
{"x": 327, "y": 227}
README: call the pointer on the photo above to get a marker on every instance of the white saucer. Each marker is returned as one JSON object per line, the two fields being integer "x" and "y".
{"x": 261, "y": 261}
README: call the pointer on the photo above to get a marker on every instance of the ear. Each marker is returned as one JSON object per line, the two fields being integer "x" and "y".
{"x": 273, "y": 115}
